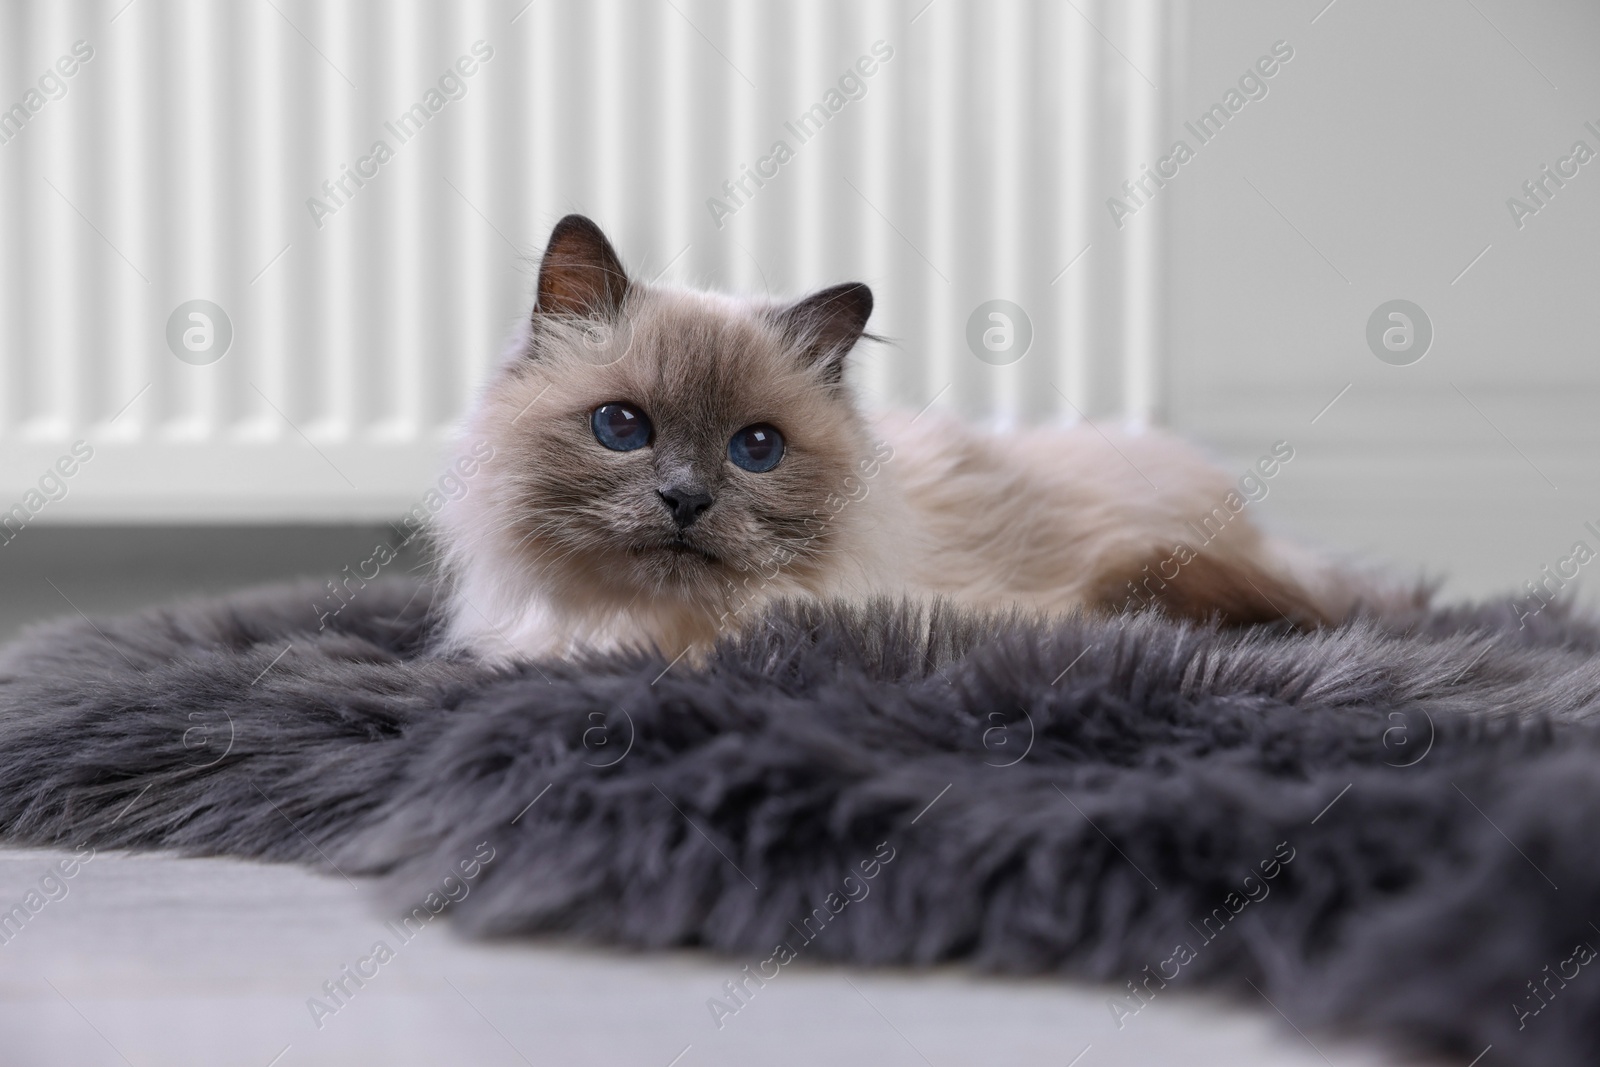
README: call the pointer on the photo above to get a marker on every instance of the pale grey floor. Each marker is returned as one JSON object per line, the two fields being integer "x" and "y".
{"x": 152, "y": 960}
{"x": 155, "y": 960}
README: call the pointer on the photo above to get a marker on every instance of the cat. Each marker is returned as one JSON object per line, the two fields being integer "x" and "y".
{"x": 668, "y": 461}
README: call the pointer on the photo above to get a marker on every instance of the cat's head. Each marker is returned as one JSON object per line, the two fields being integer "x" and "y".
{"x": 665, "y": 443}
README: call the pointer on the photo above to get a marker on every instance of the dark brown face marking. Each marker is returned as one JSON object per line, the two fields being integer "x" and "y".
{"x": 676, "y": 518}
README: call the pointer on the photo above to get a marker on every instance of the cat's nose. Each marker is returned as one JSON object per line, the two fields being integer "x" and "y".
{"x": 686, "y": 503}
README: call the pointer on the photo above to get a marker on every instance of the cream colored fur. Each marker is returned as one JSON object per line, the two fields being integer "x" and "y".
{"x": 560, "y": 545}
{"x": 1053, "y": 519}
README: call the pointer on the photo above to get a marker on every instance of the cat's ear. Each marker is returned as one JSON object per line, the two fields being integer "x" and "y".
{"x": 826, "y": 325}
{"x": 580, "y": 273}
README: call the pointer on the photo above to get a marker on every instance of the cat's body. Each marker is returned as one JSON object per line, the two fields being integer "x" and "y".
{"x": 666, "y": 462}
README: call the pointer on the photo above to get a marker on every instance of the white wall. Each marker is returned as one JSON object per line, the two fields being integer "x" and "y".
{"x": 1379, "y": 167}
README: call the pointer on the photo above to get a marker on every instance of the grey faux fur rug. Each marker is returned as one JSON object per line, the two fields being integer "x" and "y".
{"x": 1387, "y": 829}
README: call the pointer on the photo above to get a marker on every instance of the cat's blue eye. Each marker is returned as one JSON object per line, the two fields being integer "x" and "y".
{"x": 620, "y": 427}
{"x": 756, "y": 448}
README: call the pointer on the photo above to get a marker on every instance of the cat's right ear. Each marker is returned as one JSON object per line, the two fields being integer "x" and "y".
{"x": 580, "y": 274}
{"x": 826, "y": 325}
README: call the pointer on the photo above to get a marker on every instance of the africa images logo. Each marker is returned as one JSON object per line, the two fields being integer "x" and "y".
{"x": 1399, "y": 332}
{"x": 199, "y": 332}
{"x": 999, "y": 332}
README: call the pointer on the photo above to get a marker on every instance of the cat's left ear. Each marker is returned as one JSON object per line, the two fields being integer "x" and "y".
{"x": 581, "y": 273}
{"x": 826, "y": 325}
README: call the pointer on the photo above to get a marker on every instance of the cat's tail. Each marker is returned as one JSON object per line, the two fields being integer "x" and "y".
{"x": 1340, "y": 591}
{"x": 1248, "y": 578}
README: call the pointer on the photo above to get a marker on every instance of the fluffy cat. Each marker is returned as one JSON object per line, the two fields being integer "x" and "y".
{"x": 667, "y": 461}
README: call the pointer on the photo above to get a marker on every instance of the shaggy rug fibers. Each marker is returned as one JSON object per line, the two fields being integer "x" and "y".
{"x": 1384, "y": 829}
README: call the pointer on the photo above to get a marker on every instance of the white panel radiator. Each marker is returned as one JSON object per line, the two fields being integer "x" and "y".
{"x": 228, "y": 153}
